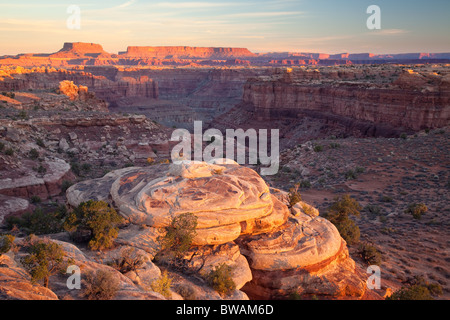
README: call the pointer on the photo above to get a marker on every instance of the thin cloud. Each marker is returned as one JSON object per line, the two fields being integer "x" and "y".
{"x": 191, "y": 5}
{"x": 126, "y": 4}
{"x": 389, "y": 32}
{"x": 264, "y": 14}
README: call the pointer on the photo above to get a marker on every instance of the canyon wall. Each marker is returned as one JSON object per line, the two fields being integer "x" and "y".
{"x": 182, "y": 52}
{"x": 398, "y": 106}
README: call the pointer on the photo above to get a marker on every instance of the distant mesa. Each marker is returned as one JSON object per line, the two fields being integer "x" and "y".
{"x": 83, "y": 53}
{"x": 180, "y": 52}
{"x": 79, "y": 49}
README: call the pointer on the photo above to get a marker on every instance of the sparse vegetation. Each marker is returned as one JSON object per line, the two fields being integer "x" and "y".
{"x": 417, "y": 210}
{"x": 9, "y": 152}
{"x": 221, "y": 280}
{"x": 6, "y": 243}
{"x": 339, "y": 214}
{"x": 39, "y": 222}
{"x": 369, "y": 254}
{"x": 318, "y": 148}
{"x": 129, "y": 260}
{"x": 294, "y": 196}
{"x": 163, "y": 285}
{"x": 94, "y": 222}
{"x": 177, "y": 239}
{"x": 46, "y": 258}
{"x": 100, "y": 285}
{"x": 33, "y": 154}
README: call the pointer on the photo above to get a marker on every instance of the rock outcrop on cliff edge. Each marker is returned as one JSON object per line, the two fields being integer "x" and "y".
{"x": 284, "y": 253}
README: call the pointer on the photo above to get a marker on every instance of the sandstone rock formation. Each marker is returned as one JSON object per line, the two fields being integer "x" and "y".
{"x": 285, "y": 253}
{"x": 292, "y": 96}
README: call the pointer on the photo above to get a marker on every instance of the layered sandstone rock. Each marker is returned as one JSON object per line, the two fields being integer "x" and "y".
{"x": 407, "y": 104}
{"x": 228, "y": 200}
{"x": 285, "y": 252}
{"x": 180, "y": 52}
{"x": 32, "y": 183}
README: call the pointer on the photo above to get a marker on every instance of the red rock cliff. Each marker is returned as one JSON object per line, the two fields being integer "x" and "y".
{"x": 179, "y": 52}
{"x": 396, "y": 106}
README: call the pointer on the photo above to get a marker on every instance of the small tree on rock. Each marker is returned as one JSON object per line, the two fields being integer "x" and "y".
{"x": 46, "y": 258}
{"x": 95, "y": 222}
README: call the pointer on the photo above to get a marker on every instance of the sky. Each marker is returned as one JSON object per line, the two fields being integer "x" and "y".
{"x": 328, "y": 26}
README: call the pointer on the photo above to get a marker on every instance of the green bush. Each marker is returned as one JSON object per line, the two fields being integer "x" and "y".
{"x": 33, "y": 154}
{"x": 162, "y": 285}
{"x": 416, "y": 210}
{"x": 100, "y": 285}
{"x": 9, "y": 152}
{"x": 128, "y": 260}
{"x": 39, "y": 222}
{"x": 45, "y": 259}
{"x": 40, "y": 143}
{"x": 221, "y": 280}
{"x": 294, "y": 196}
{"x": 6, "y": 243}
{"x": 414, "y": 292}
{"x": 339, "y": 214}
{"x": 66, "y": 184}
{"x": 178, "y": 238}
{"x": 417, "y": 288}
{"x": 35, "y": 199}
{"x": 94, "y": 222}
{"x": 318, "y": 148}
{"x": 370, "y": 254}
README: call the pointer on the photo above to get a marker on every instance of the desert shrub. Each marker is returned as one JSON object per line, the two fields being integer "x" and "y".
{"x": 386, "y": 199}
{"x": 318, "y": 148}
{"x": 39, "y": 222}
{"x": 417, "y": 288}
{"x": 162, "y": 285}
{"x": 66, "y": 184}
{"x": 178, "y": 238}
{"x": 40, "y": 143}
{"x": 35, "y": 199}
{"x": 45, "y": 259}
{"x": 221, "y": 280}
{"x": 41, "y": 169}
{"x": 33, "y": 154}
{"x": 2, "y": 146}
{"x": 305, "y": 184}
{"x": 129, "y": 260}
{"x": 369, "y": 254}
{"x": 308, "y": 210}
{"x": 86, "y": 167}
{"x": 416, "y": 210}
{"x": 94, "y": 222}
{"x": 414, "y": 292}
{"x": 22, "y": 115}
{"x": 9, "y": 152}
{"x": 186, "y": 291}
{"x": 75, "y": 167}
{"x": 339, "y": 214}
{"x": 100, "y": 285}
{"x": 350, "y": 174}
{"x": 359, "y": 170}
{"x": 294, "y": 196}
{"x": 6, "y": 243}
{"x": 404, "y": 136}
{"x": 335, "y": 145}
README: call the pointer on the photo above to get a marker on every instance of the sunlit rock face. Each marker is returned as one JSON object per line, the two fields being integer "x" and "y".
{"x": 227, "y": 199}
{"x": 278, "y": 251}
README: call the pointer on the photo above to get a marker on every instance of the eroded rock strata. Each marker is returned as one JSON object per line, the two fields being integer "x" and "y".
{"x": 285, "y": 253}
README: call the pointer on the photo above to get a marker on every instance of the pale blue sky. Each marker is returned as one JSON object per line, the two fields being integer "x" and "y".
{"x": 261, "y": 25}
